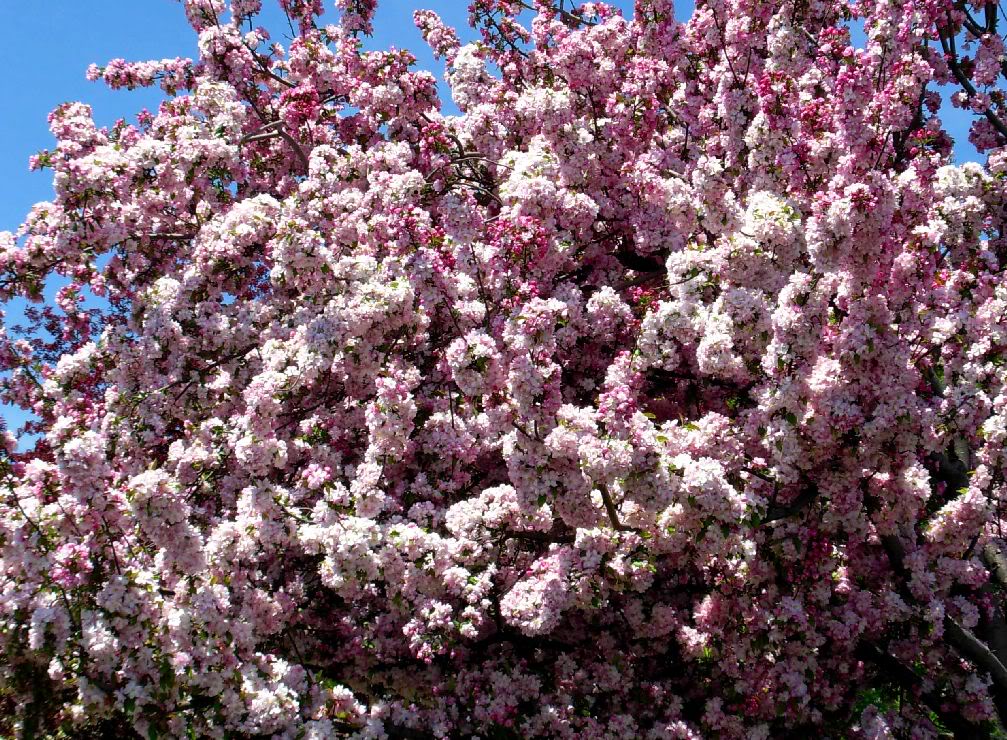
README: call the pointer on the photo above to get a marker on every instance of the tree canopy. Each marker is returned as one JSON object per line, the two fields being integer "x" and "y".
{"x": 659, "y": 394}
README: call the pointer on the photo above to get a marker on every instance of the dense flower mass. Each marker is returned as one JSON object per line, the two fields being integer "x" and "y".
{"x": 660, "y": 393}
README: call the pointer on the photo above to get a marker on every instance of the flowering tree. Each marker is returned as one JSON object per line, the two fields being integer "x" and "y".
{"x": 659, "y": 394}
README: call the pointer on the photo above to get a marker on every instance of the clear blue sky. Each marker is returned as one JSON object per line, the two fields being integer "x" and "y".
{"x": 49, "y": 45}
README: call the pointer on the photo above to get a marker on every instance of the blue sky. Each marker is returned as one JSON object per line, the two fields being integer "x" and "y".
{"x": 49, "y": 45}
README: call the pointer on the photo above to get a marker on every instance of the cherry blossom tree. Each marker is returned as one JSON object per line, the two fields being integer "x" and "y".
{"x": 659, "y": 394}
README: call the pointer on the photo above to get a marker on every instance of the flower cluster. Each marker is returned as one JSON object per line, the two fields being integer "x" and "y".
{"x": 172, "y": 74}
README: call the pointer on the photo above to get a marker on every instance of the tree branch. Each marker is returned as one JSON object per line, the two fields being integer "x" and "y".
{"x": 994, "y": 558}
{"x": 783, "y": 511}
{"x": 613, "y": 515}
{"x": 537, "y": 536}
{"x": 297, "y": 148}
{"x": 964, "y": 643}
{"x": 947, "y": 43}
{"x": 979, "y": 653}
{"x": 895, "y": 670}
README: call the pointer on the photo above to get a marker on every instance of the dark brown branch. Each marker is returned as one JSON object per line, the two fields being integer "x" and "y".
{"x": 947, "y": 43}
{"x": 543, "y": 537}
{"x": 268, "y": 72}
{"x": 996, "y": 561}
{"x": 613, "y": 515}
{"x": 266, "y": 131}
{"x": 783, "y": 511}
{"x": 297, "y": 149}
{"x": 968, "y": 21}
{"x": 637, "y": 263}
{"x": 979, "y": 653}
{"x": 567, "y": 17}
{"x": 964, "y": 643}
{"x": 901, "y": 138}
{"x": 273, "y": 130}
{"x": 896, "y": 671}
